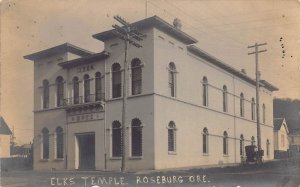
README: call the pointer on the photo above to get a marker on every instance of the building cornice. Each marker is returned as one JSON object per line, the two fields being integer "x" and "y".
{"x": 66, "y": 47}
{"x": 156, "y": 22}
{"x": 213, "y": 60}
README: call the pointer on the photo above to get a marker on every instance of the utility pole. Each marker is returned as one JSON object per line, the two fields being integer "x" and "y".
{"x": 130, "y": 35}
{"x": 257, "y": 73}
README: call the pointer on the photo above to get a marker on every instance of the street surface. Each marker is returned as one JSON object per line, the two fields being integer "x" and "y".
{"x": 273, "y": 174}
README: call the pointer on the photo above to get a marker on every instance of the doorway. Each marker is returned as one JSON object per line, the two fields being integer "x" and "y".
{"x": 85, "y": 149}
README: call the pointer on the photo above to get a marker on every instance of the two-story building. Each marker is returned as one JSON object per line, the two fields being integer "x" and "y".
{"x": 185, "y": 107}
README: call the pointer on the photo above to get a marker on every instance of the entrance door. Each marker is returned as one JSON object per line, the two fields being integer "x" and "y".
{"x": 86, "y": 148}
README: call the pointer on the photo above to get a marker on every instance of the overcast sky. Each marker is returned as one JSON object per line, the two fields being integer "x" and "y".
{"x": 223, "y": 29}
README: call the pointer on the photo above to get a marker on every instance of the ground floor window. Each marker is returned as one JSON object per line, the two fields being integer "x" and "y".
{"x": 171, "y": 137}
{"x": 136, "y": 137}
{"x": 45, "y": 145}
{"x": 205, "y": 141}
{"x": 268, "y": 148}
{"x": 59, "y": 142}
{"x": 242, "y": 145}
{"x": 116, "y": 139}
{"x": 252, "y": 140}
{"x": 225, "y": 143}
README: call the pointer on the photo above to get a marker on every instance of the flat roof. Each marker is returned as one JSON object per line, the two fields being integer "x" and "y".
{"x": 66, "y": 47}
{"x": 156, "y": 22}
{"x": 211, "y": 59}
{"x": 84, "y": 60}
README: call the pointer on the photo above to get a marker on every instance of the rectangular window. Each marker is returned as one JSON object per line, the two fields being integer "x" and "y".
{"x": 171, "y": 140}
{"x": 225, "y": 146}
{"x": 242, "y": 147}
{"x": 117, "y": 87}
{"x": 116, "y": 142}
{"x": 136, "y": 87}
{"x": 204, "y": 94}
{"x": 136, "y": 138}
{"x": 205, "y": 147}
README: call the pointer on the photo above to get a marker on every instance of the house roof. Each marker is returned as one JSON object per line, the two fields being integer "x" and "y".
{"x": 277, "y": 122}
{"x": 213, "y": 60}
{"x": 66, "y": 47}
{"x": 293, "y": 124}
{"x": 4, "y": 129}
{"x": 156, "y": 22}
{"x": 85, "y": 59}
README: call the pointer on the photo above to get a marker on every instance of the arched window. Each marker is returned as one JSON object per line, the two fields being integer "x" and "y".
{"x": 45, "y": 148}
{"x": 116, "y": 80}
{"x": 75, "y": 90}
{"x": 242, "y": 100}
{"x": 171, "y": 137}
{"x": 264, "y": 113}
{"x": 253, "y": 109}
{"x": 225, "y": 143}
{"x": 98, "y": 87}
{"x": 136, "y": 137}
{"x": 60, "y": 91}
{"x": 252, "y": 140}
{"x": 87, "y": 88}
{"x": 45, "y": 94}
{"x": 225, "y": 93}
{"x": 205, "y": 91}
{"x": 172, "y": 79}
{"x": 116, "y": 139}
{"x": 59, "y": 142}
{"x": 242, "y": 152}
{"x": 136, "y": 76}
{"x": 205, "y": 141}
{"x": 268, "y": 148}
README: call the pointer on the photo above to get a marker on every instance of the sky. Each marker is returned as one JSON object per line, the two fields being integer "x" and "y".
{"x": 223, "y": 28}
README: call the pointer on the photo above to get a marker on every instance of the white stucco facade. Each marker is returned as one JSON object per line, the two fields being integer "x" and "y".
{"x": 155, "y": 106}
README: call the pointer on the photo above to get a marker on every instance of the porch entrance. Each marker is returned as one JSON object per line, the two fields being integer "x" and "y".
{"x": 85, "y": 151}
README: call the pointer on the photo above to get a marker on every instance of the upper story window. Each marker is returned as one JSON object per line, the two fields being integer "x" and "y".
{"x": 59, "y": 142}
{"x": 205, "y": 91}
{"x": 45, "y": 94}
{"x": 225, "y": 143}
{"x": 171, "y": 137}
{"x": 87, "y": 88}
{"x": 45, "y": 145}
{"x": 136, "y": 76}
{"x": 98, "y": 87}
{"x": 136, "y": 137}
{"x": 172, "y": 79}
{"x": 264, "y": 113}
{"x": 225, "y": 103}
{"x": 253, "y": 109}
{"x": 116, "y": 80}
{"x": 60, "y": 91}
{"x": 205, "y": 141}
{"x": 116, "y": 139}
{"x": 75, "y": 90}
{"x": 242, "y": 105}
